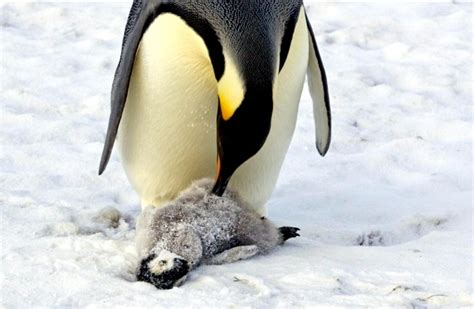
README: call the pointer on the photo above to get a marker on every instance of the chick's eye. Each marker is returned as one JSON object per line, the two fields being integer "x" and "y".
{"x": 162, "y": 263}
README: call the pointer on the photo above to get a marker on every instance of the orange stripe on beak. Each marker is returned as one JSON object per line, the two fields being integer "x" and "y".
{"x": 218, "y": 167}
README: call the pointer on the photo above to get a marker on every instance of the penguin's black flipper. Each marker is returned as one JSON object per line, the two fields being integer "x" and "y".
{"x": 141, "y": 16}
{"x": 318, "y": 88}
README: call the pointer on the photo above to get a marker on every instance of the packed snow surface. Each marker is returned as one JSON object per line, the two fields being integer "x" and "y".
{"x": 385, "y": 217}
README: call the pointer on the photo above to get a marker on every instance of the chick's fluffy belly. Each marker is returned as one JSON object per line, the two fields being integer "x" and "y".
{"x": 219, "y": 223}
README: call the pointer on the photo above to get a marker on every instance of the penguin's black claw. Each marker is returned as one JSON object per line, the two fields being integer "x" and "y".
{"x": 288, "y": 232}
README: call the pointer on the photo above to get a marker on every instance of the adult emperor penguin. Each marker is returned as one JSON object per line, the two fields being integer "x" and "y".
{"x": 211, "y": 88}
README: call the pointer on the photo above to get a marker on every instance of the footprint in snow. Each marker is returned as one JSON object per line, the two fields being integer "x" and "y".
{"x": 409, "y": 231}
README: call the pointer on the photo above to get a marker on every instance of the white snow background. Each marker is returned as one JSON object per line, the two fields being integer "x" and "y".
{"x": 385, "y": 217}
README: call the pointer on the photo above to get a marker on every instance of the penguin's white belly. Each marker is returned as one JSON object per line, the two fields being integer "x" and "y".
{"x": 167, "y": 135}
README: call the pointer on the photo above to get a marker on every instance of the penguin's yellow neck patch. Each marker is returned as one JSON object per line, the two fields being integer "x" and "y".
{"x": 230, "y": 89}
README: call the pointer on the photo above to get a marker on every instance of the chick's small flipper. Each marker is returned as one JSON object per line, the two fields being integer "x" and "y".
{"x": 233, "y": 255}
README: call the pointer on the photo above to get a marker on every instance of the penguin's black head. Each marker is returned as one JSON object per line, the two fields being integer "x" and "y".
{"x": 245, "y": 110}
{"x": 164, "y": 271}
{"x": 243, "y": 135}
{"x": 248, "y": 43}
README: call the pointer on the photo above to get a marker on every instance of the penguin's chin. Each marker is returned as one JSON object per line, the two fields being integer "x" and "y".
{"x": 180, "y": 281}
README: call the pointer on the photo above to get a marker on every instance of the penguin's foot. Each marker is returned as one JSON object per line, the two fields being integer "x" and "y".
{"x": 288, "y": 232}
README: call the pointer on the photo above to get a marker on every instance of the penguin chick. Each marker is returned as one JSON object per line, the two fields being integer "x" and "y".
{"x": 200, "y": 227}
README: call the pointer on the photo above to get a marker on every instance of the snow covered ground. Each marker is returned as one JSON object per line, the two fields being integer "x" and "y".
{"x": 386, "y": 217}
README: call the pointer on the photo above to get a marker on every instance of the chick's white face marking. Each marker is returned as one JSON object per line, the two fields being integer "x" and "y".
{"x": 164, "y": 261}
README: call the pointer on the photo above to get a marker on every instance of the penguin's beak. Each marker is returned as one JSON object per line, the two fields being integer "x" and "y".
{"x": 223, "y": 178}
{"x": 220, "y": 186}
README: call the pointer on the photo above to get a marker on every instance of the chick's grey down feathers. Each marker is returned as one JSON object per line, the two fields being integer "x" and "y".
{"x": 201, "y": 227}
